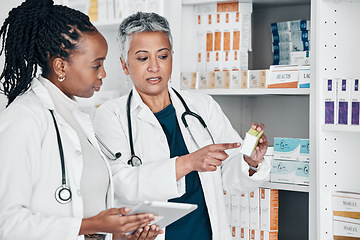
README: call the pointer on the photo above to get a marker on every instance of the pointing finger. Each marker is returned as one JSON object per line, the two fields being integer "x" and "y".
{"x": 224, "y": 146}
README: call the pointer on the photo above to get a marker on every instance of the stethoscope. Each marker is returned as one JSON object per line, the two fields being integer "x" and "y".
{"x": 135, "y": 160}
{"x": 63, "y": 193}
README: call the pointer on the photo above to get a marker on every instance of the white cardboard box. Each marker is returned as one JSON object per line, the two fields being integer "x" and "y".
{"x": 254, "y": 200}
{"x": 283, "y": 171}
{"x": 346, "y": 228}
{"x": 244, "y": 210}
{"x": 346, "y": 204}
{"x": 269, "y": 209}
{"x": 283, "y": 77}
{"x": 286, "y": 148}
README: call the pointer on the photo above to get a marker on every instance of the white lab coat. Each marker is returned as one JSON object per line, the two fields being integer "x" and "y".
{"x": 155, "y": 179}
{"x": 30, "y": 170}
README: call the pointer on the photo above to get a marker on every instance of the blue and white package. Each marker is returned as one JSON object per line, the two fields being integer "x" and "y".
{"x": 286, "y": 148}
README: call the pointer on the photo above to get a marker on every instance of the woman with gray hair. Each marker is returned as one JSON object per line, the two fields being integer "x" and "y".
{"x": 176, "y": 146}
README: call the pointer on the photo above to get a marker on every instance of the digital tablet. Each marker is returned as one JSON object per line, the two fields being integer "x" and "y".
{"x": 167, "y": 212}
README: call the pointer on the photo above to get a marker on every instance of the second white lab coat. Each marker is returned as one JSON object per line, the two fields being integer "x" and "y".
{"x": 30, "y": 170}
{"x": 155, "y": 179}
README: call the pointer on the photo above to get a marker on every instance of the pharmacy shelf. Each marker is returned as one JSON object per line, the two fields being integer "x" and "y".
{"x": 256, "y": 91}
{"x": 340, "y": 128}
{"x": 108, "y": 25}
{"x": 286, "y": 186}
{"x": 278, "y": 2}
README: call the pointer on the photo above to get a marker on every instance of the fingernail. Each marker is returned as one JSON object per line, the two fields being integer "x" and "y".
{"x": 140, "y": 229}
{"x": 147, "y": 228}
{"x": 151, "y": 215}
{"x": 127, "y": 209}
{"x": 157, "y": 228}
{"x": 153, "y": 227}
{"x": 238, "y": 144}
{"x": 259, "y": 129}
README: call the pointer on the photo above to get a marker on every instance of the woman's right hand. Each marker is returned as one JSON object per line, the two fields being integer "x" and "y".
{"x": 205, "y": 159}
{"x": 114, "y": 220}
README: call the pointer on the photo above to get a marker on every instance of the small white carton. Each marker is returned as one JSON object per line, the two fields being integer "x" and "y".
{"x": 254, "y": 199}
{"x": 346, "y": 228}
{"x": 244, "y": 210}
{"x": 283, "y": 171}
{"x": 346, "y": 204}
{"x": 269, "y": 208}
{"x": 286, "y": 148}
{"x": 302, "y": 173}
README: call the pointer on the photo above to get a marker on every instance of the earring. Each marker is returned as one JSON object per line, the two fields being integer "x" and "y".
{"x": 61, "y": 78}
{"x": 127, "y": 81}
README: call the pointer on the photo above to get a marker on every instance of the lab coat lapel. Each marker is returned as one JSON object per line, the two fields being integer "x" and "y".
{"x": 179, "y": 107}
{"x": 144, "y": 113}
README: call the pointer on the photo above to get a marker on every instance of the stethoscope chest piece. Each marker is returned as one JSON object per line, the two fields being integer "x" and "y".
{"x": 135, "y": 161}
{"x": 63, "y": 194}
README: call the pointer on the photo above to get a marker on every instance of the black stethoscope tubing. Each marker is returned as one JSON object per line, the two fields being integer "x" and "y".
{"x": 63, "y": 193}
{"x": 135, "y": 160}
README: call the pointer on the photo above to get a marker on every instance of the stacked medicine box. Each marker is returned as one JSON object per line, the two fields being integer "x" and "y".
{"x": 341, "y": 101}
{"x": 107, "y": 10}
{"x": 254, "y": 216}
{"x": 290, "y": 37}
{"x": 291, "y": 161}
{"x": 346, "y": 215}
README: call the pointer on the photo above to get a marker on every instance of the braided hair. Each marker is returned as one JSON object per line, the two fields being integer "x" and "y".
{"x": 34, "y": 33}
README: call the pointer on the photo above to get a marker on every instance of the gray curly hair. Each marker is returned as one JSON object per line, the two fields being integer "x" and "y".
{"x": 141, "y": 22}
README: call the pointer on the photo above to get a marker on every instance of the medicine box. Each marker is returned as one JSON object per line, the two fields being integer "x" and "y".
{"x": 330, "y": 93}
{"x": 304, "y": 77}
{"x": 286, "y": 148}
{"x": 283, "y": 171}
{"x": 304, "y": 155}
{"x": 235, "y": 79}
{"x": 235, "y": 232}
{"x": 268, "y": 235}
{"x": 204, "y": 80}
{"x": 188, "y": 80}
{"x": 290, "y": 25}
{"x": 290, "y": 46}
{"x": 253, "y": 79}
{"x": 235, "y": 210}
{"x": 302, "y": 173}
{"x": 283, "y": 77}
{"x": 355, "y": 101}
{"x": 346, "y": 228}
{"x": 269, "y": 209}
{"x": 254, "y": 234}
{"x": 346, "y": 204}
{"x": 300, "y": 58}
{"x": 254, "y": 203}
{"x": 244, "y": 210}
{"x": 343, "y": 100}
{"x": 244, "y": 233}
{"x": 227, "y": 199}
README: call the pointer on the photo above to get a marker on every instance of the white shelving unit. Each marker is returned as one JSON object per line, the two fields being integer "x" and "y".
{"x": 337, "y": 149}
{"x": 286, "y": 187}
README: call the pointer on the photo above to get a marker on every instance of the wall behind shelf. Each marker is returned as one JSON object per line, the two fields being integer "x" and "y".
{"x": 283, "y": 116}
{"x": 261, "y": 56}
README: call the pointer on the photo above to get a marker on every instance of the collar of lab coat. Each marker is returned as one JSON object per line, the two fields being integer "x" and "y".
{"x": 146, "y": 114}
{"x": 136, "y": 100}
{"x": 48, "y": 103}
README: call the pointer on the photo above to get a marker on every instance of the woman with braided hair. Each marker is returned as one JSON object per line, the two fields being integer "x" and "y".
{"x": 54, "y": 181}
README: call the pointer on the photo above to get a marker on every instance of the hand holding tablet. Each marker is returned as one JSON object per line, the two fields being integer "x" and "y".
{"x": 166, "y": 212}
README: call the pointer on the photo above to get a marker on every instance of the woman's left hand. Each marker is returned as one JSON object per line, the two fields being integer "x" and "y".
{"x": 146, "y": 233}
{"x": 258, "y": 154}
